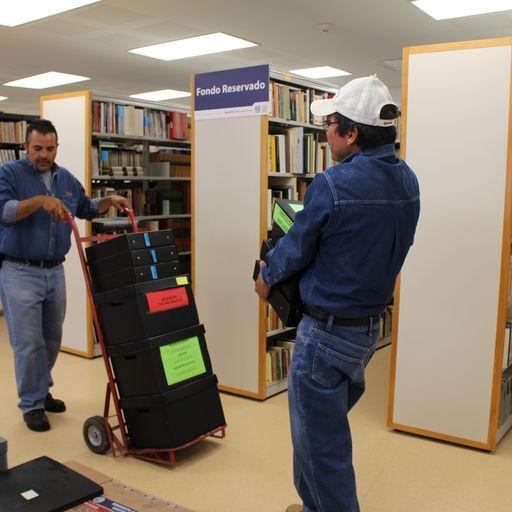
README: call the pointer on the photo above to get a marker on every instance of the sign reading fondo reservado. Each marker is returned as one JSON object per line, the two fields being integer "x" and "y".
{"x": 232, "y": 93}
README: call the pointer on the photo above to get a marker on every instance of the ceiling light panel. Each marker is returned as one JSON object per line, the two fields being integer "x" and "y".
{"x": 17, "y": 12}
{"x": 449, "y": 9}
{"x": 46, "y": 80}
{"x": 320, "y": 72}
{"x": 193, "y": 46}
{"x": 164, "y": 94}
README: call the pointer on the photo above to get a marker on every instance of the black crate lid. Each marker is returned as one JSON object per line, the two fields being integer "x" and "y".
{"x": 157, "y": 341}
{"x": 173, "y": 395}
{"x": 140, "y": 288}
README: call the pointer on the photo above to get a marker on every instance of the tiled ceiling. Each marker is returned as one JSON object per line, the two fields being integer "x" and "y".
{"x": 93, "y": 41}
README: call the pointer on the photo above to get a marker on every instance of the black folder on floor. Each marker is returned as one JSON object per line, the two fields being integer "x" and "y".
{"x": 44, "y": 485}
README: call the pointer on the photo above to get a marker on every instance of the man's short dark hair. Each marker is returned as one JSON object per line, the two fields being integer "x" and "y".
{"x": 42, "y": 126}
{"x": 368, "y": 137}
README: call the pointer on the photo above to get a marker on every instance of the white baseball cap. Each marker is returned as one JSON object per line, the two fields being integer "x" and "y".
{"x": 361, "y": 100}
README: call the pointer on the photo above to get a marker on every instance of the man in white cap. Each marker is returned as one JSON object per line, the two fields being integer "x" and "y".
{"x": 349, "y": 243}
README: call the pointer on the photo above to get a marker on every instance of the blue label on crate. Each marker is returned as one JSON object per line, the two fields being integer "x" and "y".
{"x": 146, "y": 239}
{"x": 154, "y": 272}
{"x": 153, "y": 255}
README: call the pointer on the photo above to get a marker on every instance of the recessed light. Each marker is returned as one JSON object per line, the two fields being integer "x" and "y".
{"x": 448, "y": 9}
{"x": 2, "y": 98}
{"x": 164, "y": 94}
{"x": 17, "y": 12}
{"x": 320, "y": 72}
{"x": 46, "y": 80}
{"x": 193, "y": 46}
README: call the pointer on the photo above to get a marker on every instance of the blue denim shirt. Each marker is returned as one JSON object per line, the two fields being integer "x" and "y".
{"x": 352, "y": 236}
{"x": 38, "y": 236}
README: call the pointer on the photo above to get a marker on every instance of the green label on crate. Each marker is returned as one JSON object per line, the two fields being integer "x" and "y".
{"x": 281, "y": 219}
{"x": 182, "y": 360}
{"x": 297, "y": 207}
{"x": 181, "y": 281}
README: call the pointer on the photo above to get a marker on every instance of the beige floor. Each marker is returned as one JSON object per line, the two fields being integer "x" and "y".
{"x": 250, "y": 470}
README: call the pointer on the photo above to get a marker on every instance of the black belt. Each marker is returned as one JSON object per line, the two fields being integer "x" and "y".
{"x": 318, "y": 314}
{"x": 42, "y": 264}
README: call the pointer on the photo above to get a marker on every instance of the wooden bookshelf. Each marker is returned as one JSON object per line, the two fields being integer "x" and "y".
{"x": 231, "y": 182}
{"x": 12, "y": 135}
{"x": 451, "y": 298}
{"x": 90, "y": 122}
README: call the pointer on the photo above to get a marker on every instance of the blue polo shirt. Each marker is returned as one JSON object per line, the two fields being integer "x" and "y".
{"x": 38, "y": 236}
{"x": 351, "y": 239}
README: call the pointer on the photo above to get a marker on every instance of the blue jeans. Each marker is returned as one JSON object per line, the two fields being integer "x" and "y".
{"x": 325, "y": 381}
{"x": 34, "y": 302}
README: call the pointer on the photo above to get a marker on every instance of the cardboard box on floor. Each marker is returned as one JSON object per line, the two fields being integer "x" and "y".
{"x": 119, "y": 497}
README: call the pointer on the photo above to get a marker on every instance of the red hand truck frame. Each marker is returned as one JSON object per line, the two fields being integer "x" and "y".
{"x": 102, "y": 433}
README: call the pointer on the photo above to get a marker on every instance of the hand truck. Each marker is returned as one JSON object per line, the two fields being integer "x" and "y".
{"x": 102, "y": 433}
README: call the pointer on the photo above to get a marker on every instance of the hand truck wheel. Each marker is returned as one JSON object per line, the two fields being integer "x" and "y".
{"x": 96, "y": 435}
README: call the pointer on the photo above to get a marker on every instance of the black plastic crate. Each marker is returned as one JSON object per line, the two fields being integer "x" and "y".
{"x": 145, "y": 310}
{"x": 132, "y": 275}
{"x": 174, "y": 418}
{"x": 155, "y": 365}
{"x": 136, "y": 258}
{"x": 129, "y": 242}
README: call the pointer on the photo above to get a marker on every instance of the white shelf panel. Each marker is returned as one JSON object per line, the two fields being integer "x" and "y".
{"x": 276, "y": 387}
{"x": 504, "y": 429}
{"x": 116, "y": 136}
{"x": 137, "y": 178}
{"x": 280, "y": 331}
{"x": 288, "y": 122}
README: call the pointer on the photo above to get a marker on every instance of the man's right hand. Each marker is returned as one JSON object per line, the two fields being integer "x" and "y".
{"x": 55, "y": 207}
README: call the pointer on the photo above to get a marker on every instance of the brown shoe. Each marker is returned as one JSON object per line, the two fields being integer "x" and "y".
{"x": 295, "y": 508}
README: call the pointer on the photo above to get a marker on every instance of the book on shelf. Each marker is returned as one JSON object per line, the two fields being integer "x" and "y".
{"x": 13, "y": 132}
{"x": 292, "y": 103}
{"x": 175, "y": 163}
{"x": 130, "y": 120}
{"x": 507, "y": 346}
{"x": 294, "y": 151}
{"x": 278, "y": 360}
{"x": 116, "y": 170}
{"x": 7, "y": 155}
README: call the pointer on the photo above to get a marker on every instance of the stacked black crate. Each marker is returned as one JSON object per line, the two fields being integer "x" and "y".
{"x": 154, "y": 340}
{"x": 285, "y": 296}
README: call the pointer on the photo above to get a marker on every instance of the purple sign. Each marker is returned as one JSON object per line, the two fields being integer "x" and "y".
{"x": 232, "y": 93}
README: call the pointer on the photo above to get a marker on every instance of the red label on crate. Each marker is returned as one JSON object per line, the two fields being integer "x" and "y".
{"x": 167, "y": 299}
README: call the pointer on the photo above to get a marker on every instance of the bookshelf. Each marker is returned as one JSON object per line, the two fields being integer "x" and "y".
{"x": 139, "y": 149}
{"x": 450, "y": 334}
{"x": 12, "y": 135}
{"x": 235, "y": 178}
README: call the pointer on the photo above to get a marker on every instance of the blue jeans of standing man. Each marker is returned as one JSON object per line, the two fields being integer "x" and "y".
{"x": 34, "y": 302}
{"x": 325, "y": 381}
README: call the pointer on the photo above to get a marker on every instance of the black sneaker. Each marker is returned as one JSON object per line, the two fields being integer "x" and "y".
{"x": 36, "y": 420}
{"x": 53, "y": 405}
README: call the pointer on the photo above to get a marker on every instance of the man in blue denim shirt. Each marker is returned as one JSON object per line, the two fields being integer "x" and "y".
{"x": 35, "y": 197}
{"x": 349, "y": 242}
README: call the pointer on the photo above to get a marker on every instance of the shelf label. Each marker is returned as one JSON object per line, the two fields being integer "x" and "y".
{"x": 238, "y": 92}
{"x": 281, "y": 219}
{"x": 182, "y": 360}
{"x": 167, "y": 299}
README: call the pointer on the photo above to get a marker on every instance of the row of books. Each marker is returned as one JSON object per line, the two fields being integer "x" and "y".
{"x": 277, "y": 361}
{"x": 110, "y": 117}
{"x": 297, "y": 152}
{"x": 386, "y": 323}
{"x": 13, "y": 132}
{"x": 506, "y": 398}
{"x": 8, "y": 155}
{"x": 181, "y": 229}
{"x": 507, "y": 346}
{"x": 292, "y": 103}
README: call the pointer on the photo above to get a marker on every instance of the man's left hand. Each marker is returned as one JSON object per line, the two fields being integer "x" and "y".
{"x": 119, "y": 202}
{"x": 260, "y": 287}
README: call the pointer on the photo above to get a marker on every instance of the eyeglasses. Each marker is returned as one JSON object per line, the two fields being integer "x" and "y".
{"x": 328, "y": 123}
